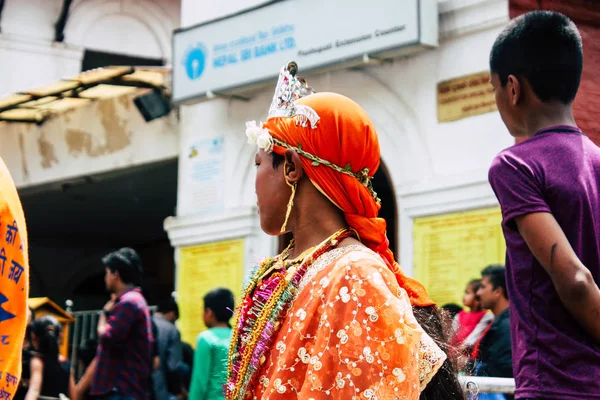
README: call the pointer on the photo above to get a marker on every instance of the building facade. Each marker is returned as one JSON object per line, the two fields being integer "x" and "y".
{"x": 96, "y": 177}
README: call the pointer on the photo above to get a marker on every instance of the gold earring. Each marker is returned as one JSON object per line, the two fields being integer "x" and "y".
{"x": 291, "y": 202}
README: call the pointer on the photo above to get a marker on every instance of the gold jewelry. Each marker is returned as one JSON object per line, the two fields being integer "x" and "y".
{"x": 285, "y": 264}
{"x": 279, "y": 263}
{"x": 291, "y": 202}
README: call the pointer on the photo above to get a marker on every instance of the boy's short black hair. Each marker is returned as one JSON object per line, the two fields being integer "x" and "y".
{"x": 545, "y": 48}
{"x": 127, "y": 263}
{"x": 221, "y": 302}
{"x": 167, "y": 305}
{"x": 497, "y": 276}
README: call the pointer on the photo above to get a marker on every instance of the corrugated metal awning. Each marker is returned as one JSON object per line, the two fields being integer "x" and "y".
{"x": 39, "y": 104}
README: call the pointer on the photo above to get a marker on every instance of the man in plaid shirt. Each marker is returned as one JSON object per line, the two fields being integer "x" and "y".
{"x": 124, "y": 357}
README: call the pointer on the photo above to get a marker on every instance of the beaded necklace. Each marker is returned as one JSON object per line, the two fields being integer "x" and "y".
{"x": 265, "y": 303}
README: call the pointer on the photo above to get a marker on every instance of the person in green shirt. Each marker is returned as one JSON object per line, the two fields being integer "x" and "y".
{"x": 212, "y": 349}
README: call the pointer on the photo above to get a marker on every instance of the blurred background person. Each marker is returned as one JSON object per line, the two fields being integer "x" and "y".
{"x": 212, "y": 348}
{"x": 468, "y": 326}
{"x": 86, "y": 354}
{"x": 188, "y": 355}
{"x": 49, "y": 375}
{"x": 168, "y": 341}
{"x": 25, "y": 359}
{"x": 124, "y": 357}
{"x": 493, "y": 352}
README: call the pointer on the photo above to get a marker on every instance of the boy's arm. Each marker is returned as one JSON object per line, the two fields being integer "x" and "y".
{"x": 114, "y": 329}
{"x": 573, "y": 281}
{"x": 85, "y": 383}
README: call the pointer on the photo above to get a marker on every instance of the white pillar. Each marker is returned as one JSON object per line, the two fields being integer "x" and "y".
{"x": 237, "y": 223}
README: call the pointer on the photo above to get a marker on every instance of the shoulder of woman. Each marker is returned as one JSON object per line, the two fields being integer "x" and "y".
{"x": 356, "y": 267}
{"x": 358, "y": 254}
{"x": 362, "y": 263}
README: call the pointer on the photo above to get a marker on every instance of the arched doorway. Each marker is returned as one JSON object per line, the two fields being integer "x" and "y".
{"x": 382, "y": 184}
{"x": 72, "y": 225}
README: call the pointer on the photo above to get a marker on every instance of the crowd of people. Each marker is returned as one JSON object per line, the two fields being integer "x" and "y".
{"x": 135, "y": 345}
{"x": 333, "y": 315}
{"x": 136, "y": 355}
{"x": 480, "y": 336}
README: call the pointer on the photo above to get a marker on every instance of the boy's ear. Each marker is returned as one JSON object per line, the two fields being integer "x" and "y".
{"x": 515, "y": 90}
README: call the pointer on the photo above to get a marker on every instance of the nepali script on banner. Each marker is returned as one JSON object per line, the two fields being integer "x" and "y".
{"x": 451, "y": 249}
{"x": 202, "y": 268}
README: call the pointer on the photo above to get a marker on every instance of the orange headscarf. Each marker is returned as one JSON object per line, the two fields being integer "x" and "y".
{"x": 345, "y": 136}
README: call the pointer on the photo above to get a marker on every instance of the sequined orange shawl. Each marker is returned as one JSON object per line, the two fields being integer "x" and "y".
{"x": 350, "y": 334}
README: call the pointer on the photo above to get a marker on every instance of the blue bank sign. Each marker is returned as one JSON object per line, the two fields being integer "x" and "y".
{"x": 229, "y": 54}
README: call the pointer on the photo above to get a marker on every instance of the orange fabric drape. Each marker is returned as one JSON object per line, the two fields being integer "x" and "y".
{"x": 14, "y": 283}
{"x": 345, "y": 136}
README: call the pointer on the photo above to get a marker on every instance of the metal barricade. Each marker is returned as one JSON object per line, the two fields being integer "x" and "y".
{"x": 85, "y": 327}
{"x": 479, "y": 384}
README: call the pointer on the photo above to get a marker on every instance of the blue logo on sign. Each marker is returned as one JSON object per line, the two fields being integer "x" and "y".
{"x": 195, "y": 61}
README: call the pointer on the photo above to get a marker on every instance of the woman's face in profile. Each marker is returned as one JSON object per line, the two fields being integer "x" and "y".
{"x": 272, "y": 193}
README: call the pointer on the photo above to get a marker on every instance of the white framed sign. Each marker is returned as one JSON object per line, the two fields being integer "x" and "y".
{"x": 203, "y": 176}
{"x": 249, "y": 47}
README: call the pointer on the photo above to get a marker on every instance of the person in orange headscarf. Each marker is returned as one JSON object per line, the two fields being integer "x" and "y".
{"x": 331, "y": 316}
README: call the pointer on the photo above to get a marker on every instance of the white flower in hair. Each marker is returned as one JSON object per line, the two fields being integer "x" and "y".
{"x": 259, "y": 136}
{"x": 253, "y": 131}
{"x": 264, "y": 141}
{"x": 291, "y": 87}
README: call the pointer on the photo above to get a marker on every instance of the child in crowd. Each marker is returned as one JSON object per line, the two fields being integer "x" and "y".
{"x": 469, "y": 326}
{"x": 210, "y": 360}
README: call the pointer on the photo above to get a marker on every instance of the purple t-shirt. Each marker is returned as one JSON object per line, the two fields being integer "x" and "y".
{"x": 556, "y": 171}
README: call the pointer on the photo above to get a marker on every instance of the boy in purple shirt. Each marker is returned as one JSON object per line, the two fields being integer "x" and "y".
{"x": 549, "y": 191}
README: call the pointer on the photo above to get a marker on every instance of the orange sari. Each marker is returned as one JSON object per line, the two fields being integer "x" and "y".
{"x": 350, "y": 334}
